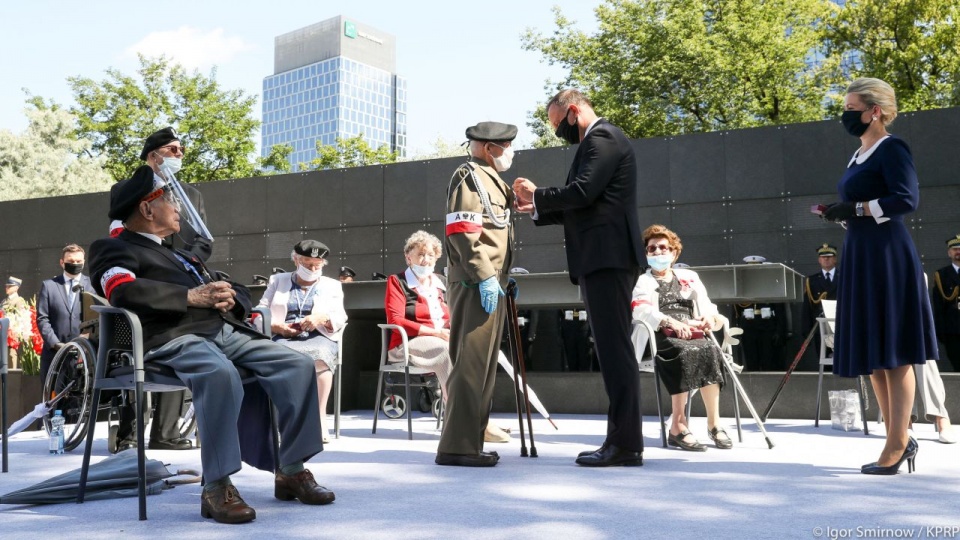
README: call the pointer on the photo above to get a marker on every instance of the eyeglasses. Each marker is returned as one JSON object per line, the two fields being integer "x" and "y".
{"x": 174, "y": 149}
{"x": 659, "y": 247}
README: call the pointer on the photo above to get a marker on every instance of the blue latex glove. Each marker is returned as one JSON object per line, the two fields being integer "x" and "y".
{"x": 490, "y": 293}
{"x": 516, "y": 288}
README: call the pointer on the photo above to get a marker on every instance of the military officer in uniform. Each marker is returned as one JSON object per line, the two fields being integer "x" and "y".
{"x": 821, "y": 285}
{"x": 479, "y": 246}
{"x": 945, "y": 300}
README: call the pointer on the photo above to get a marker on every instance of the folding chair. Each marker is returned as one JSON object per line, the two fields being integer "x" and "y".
{"x": 827, "y": 328}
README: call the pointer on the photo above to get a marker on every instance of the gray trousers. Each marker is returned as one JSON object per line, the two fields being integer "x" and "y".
{"x": 930, "y": 388}
{"x": 474, "y": 347}
{"x": 206, "y": 366}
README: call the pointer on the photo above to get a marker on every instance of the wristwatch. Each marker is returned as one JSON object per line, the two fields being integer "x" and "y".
{"x": 859, "y": 209}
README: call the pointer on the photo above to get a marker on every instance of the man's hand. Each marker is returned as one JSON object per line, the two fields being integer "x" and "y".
{"x": 524, "y": 208}
{"x": 523, "y": 189}
{"x": 218, "y": 295}
{"x": 490, "y": 293}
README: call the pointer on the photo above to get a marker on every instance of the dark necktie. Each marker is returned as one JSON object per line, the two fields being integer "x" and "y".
{"x": 827, "y": 275}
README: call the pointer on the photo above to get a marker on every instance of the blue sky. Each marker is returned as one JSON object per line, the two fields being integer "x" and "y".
{"x": 461, "y": 66}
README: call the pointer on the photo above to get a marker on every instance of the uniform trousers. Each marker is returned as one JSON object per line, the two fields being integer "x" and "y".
{"x": 474, "y": 347}
{"x": 207, "y": 367}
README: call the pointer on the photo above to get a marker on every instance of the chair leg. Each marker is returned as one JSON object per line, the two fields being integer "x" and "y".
{"x": 816, "y": 419}
{"x": 736, "y": 413}
{"x": 274, "y": 425}
{"x": 336, "y": 402}
{"x": 88, "y": 447}
{"x": 141, "y": 455}
{"x": 406, "y": 383}
{"x": 863, "y": 403}
{"x": 656, "y": 386}
{"x": 376, "y": 404}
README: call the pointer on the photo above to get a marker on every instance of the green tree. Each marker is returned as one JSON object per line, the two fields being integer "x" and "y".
{"x": 441, "y": 148}
{"x": 349, "y": 152}
{"x": 911, "y": 44}
{"x": 663, "y": 67}
{"x": 216, "y": 125}
{"x": 43, "y": 162}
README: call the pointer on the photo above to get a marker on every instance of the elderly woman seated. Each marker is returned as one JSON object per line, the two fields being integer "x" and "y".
{"x": 307, "y": 315}
{"x": 674, "y": 302}
{"x": 415, "y": 302}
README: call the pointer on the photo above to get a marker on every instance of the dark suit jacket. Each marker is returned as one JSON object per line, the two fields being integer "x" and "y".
{"x": 946, "y": 315}
{"x": 818, "y": 285}
{"x": 136, "y": 273}
{"x": 57, "y": 319}
{"x": 598, "y": 204}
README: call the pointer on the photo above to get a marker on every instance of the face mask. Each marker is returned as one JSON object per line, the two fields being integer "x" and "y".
{"x": 505, "y": 160}
{"x": 173, "y": 164}
{"x": 851, "y": 121}
{"x": 421, "y": 271}
{"x": 568, "y": 132}
{"x": 73, "y": 268}
{"x": 308, "y": 275}
{"x": 660, "y": 262}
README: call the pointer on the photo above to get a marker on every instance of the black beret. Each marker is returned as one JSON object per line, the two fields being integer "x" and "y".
{"x": 311, "y": 248}
{"x": 125, "y": 195}
{"x": 492, "y": 131}
{"x": 346, "y": 271}
{"x": 158, "y": 139}
{"x": 826, "y": 250}
{"x": 953, "y": 242}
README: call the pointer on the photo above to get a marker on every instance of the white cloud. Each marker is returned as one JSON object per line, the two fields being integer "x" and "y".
{"x": 192, "y": 47}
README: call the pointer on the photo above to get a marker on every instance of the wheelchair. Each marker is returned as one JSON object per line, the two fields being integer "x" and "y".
{"x": 68, "y": 386}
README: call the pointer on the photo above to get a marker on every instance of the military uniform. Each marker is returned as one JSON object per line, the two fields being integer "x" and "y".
{"x": 477, "y": 248}
{"x": 945, "y": 301}
{"x": 818, "y": 287}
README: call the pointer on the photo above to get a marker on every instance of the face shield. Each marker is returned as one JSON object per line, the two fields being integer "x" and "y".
{"x": 178, "y": 197}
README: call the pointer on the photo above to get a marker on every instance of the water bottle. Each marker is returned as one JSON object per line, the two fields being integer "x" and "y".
{"x": 56, "y": 432}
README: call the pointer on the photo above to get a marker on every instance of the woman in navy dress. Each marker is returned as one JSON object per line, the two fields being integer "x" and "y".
{"x": 884, "y": 321}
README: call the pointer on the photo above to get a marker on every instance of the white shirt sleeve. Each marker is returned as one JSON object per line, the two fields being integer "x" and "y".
{"x": 876, "y": 212}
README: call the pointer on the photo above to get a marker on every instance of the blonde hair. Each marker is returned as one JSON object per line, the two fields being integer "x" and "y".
{"x": 425, "y": 240}
{"x": 659, "y": 231}
{"x": 876, "y": 92}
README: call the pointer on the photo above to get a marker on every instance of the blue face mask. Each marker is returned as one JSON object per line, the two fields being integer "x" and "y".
{"x": 660, "y": 262}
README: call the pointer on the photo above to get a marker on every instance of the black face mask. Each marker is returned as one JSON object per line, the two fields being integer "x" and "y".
{"x": 567, "y": 132}
{"x": 851, "y": 121}
{"x": 73, "y": 268}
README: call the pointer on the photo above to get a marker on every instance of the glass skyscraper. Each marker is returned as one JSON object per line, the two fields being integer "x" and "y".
{"x": 333, "y": 79}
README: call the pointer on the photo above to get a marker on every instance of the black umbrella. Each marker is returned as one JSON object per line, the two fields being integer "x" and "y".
{"x": 114, "y": 477}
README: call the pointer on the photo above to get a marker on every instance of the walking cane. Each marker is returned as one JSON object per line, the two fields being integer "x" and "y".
{"x": 786, "y": 376}
{"x": 516, "y": 354}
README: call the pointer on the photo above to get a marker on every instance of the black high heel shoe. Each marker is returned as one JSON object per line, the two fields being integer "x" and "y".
{"x": 909, "y": 455}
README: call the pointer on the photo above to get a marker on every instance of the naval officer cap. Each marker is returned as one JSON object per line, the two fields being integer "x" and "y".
{"x": 826, "y": 250}
{"x": 953, "y": 242}
{"x": 14, "y": 281}
{"x": 126, "y": 195}
{"x": 492, "y": 132}
{"x": 346, "y": 271}
{"x": 754, "y": 259}
{"x": 157, "y": 139}
{"x": 311, "y": 248}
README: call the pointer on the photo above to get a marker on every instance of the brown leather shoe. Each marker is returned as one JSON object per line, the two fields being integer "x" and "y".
{"x": 301, "y": 486}
{"x": 225, "y": 505}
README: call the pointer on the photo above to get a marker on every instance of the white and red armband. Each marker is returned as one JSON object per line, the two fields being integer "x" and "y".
{"x": 464, "y": 222}
{"x": 114, "y": 277}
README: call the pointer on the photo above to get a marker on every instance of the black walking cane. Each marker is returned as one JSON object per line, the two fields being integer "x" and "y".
{"x": 516, "y": 358}
{"x": 786, "y": 376}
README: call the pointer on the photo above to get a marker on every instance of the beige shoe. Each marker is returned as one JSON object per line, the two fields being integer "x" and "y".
{"x": 494, "y": 434}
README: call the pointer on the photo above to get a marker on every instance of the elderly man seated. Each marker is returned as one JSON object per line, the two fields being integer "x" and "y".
{"x": 193, "y": 324}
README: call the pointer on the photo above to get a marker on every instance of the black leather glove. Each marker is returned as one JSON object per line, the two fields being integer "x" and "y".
{"x": 840, "y": 211}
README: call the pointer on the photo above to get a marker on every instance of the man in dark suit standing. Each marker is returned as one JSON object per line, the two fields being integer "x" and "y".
{"x": 598, "y": 210}
{"x": 945, "y": 300}
{"x": 193, "y": 323}
{"x": 821, "y": 285}
{"x": 58, "y": 305}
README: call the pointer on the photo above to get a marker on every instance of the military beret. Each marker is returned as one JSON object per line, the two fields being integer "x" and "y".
{"x": 311, "y": 248}
{"x": 754, "y": 259}
{"x": 16, "y": 282}
{"x": 953, "y": 242}
{"x": 125, "y": 195}
{"x": 492, "y": 131}
{"x": 346, "y": 271}
{"x": 157, "y": 139}
{"x": 826, "y": 250}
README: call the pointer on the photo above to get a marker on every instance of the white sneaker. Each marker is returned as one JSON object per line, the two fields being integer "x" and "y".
{"x": 948, "y": 436}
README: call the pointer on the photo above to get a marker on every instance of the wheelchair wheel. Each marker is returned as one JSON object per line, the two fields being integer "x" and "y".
{"x": 394, "y": 406}
{"x": 70, "y": 380}
{"x": 436, "y": 407}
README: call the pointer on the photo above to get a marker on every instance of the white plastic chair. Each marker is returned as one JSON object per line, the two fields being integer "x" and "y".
{"x": 404, "y": 367}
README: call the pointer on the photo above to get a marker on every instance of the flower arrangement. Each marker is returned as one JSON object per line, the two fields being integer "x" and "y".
{"x": 24, "y": 337}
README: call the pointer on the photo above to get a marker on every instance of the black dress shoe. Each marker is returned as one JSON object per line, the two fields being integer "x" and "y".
{"x": 491, "y": 453}
{"x": 588, "y": 452}
{"x": 679, "y": 441}
{"x": 461, "y": 460}
{"x": 125, "y": 445}
{"x": 611, "y": 456}
{"x": 172, "y": 444}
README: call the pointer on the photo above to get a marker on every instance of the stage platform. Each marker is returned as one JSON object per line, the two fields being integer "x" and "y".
{"x": 808, "y": 486}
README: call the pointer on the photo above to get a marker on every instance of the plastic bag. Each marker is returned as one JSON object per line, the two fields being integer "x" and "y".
{"x": 845, "y": 410}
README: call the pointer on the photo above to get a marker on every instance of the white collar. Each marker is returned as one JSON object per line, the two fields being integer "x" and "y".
{"x": 591, "y": 126}
{"x": 866, "y": 155}
{"x": 955, "y": 267}
{"x": 153, "y": 237}
{"x": 414, "y": 283}
{"x": 67, "y": 278}
{"x": 828, "y": 272}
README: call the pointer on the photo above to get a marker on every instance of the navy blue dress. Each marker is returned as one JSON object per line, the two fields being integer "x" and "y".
{"x": 884, "y": 318}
